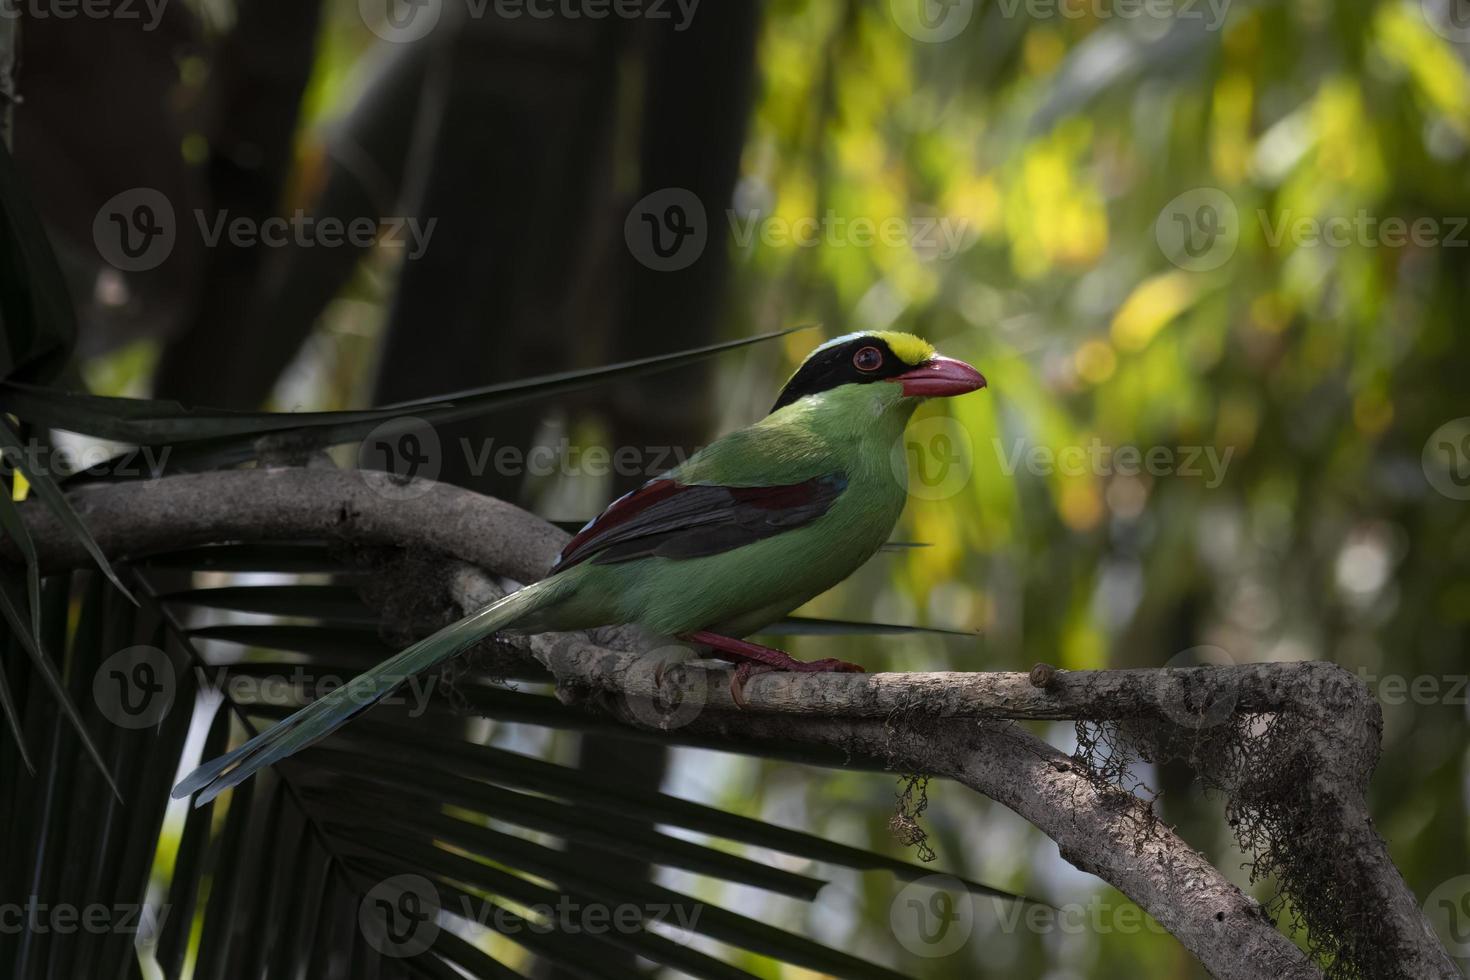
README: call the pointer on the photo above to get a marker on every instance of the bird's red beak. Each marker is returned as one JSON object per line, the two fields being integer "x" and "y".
{"x": 940, "y": 377}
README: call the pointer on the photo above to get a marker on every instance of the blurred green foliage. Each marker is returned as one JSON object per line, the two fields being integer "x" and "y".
{"x": 1316, "y": 367}
{"x": 1314, "y": 363}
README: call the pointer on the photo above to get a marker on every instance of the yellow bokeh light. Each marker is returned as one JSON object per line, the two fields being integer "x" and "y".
{"x": 1372, "y": 412}
{"x": 1080, "y": 505}
{"x": 1095, "y": 361}
{"x": 1150, "y": 307}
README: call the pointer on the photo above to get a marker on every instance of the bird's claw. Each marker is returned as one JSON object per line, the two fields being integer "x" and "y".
{"x": 739, "y": 676}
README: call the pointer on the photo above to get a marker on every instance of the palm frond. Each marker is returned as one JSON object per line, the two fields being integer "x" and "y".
{"x": 283, "y": 876}
{"x": 204, "y": 438}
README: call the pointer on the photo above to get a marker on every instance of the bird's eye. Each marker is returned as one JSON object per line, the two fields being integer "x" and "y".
{"x": 868, "y": 359}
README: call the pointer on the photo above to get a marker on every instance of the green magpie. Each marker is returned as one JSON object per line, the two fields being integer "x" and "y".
{"x": 733, "y": 539}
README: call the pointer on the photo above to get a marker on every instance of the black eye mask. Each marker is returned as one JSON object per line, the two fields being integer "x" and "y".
{"x": 827, "y": 369}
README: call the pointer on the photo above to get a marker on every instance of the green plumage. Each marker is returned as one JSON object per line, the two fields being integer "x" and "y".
{"x": 851, "y": 431}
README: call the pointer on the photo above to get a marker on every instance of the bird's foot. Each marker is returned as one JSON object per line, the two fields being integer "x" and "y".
{"x": 752, "y": 659}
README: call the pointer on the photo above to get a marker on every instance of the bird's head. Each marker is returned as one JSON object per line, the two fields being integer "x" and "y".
{"x": 905, "y": 369}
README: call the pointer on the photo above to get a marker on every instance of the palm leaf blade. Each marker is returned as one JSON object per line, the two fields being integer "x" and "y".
{"x": 10, "y": 610}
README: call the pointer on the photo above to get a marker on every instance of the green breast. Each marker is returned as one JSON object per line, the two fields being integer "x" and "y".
{"x": 739, "y": 591}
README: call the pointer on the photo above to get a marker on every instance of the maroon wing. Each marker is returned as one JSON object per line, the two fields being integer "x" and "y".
{"x": 667, "y": 519}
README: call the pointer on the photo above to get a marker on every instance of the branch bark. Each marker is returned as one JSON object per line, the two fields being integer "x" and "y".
{"x": 959, "y": 725}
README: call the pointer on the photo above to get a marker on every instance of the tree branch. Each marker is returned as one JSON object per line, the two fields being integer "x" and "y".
{"x": 362, "y": 507}
{"x": 959, "y": 725}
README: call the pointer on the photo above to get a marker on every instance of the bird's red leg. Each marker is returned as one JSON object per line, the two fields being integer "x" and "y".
{"x": 752, "y": 659}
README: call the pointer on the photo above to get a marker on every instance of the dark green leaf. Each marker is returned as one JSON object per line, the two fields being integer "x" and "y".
{"x": 15, "y": 529}
{"x": 328, "y": 602}
{"x": 389, "y": 784}
{"x": 207, "y": 438}
{"x": 10, "y": 608}
{"x": 37, "y": 324}
{"x": 44, "y": 487}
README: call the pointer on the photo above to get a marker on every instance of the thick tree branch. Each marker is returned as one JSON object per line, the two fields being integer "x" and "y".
{"x": 960, "y": 725}
{"x": 362, "y": 507}
{"x": 1098, "y": 828}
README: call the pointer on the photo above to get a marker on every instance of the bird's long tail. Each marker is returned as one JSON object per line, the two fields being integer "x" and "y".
{"x": 326, "y": 714}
